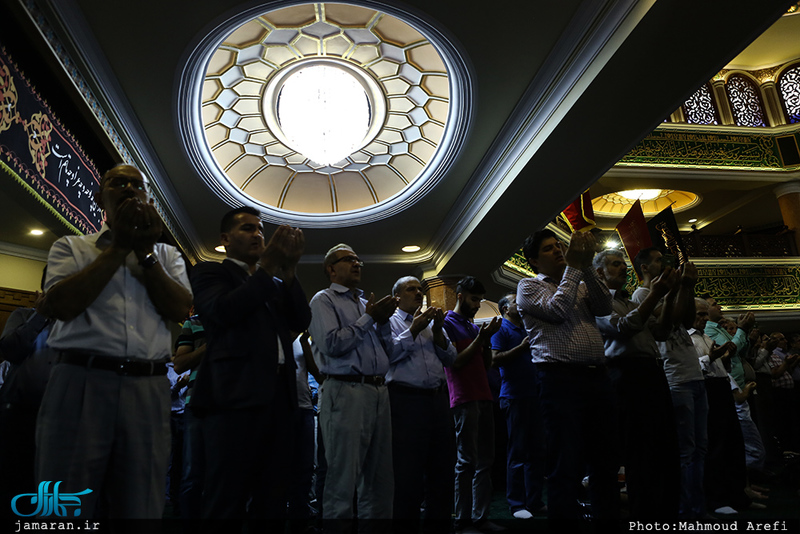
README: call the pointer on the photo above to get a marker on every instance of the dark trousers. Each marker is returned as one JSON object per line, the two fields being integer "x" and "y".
{"x": 248, "y": 465}
{"x": 175, "y": 469}
{"x": 17, "y": 457}
{"x": 193, "y": 467}
{"x": 423, "y": 445}
{"x": 526, "y": 453}
{"x": 580, "y": 419}
{"x": 302, "y": 469}
{"x": 649, "y": 438}
{"x": 725, "y": 470}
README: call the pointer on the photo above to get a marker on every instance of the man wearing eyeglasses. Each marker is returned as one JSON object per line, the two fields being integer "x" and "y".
{"x": 352, "y": 341}
{"x": 104, "y": 420}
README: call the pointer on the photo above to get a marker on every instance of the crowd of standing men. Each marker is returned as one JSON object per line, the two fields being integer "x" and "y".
{"x": 592, "y": 378}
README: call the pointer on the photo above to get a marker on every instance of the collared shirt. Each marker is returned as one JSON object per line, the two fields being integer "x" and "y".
{"x": 624, "y": 332}
{"x": 122, "y": 321}
{"x": 703, "y": 345}
{"x": 518, "y": 375}
{"x": 559, "y": 316}
{"x": 721, "y": 336}
{"x": 346, "y": 339}
{"x": 192, "y": 335}
{"x": 681, "y": 363}
{"x": 775, "y": 360}
{"x": 417, "y": 362}
{"x": 470, "y": 382}
{"x": 246, "y": 267}
{"x": 304, "y": 399}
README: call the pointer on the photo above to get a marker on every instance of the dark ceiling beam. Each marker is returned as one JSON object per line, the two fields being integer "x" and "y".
{"x": 678, "y": 46}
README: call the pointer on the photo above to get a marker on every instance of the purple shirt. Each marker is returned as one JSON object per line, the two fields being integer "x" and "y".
{"x": 470, "y": 382}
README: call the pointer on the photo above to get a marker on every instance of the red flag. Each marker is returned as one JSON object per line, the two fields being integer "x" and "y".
{"x": 633, "y": 231}
{"x": 579, "y": 215}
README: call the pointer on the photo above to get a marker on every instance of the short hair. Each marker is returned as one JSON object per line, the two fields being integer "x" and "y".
{"x": 531, "y": 246}
{"x": 329, "y": 256}
{"x": 470, "y": 284}
{"x": 503, "y": 304}
{"x": 106, "y": 175}
{"x": 600, "y": 258}
{"x": 401, "y": 284}
{"x": 228, "y": 220}
{"x": 643, "y": 257}
{"x": 700, "y": 302}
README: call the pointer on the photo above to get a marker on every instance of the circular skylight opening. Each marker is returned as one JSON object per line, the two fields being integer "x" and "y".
{"x": 268, "y": 126}
{"x": 324, "y": 112}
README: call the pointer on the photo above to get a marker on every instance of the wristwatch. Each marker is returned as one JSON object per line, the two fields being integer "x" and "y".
{"x": 149, "y": 260}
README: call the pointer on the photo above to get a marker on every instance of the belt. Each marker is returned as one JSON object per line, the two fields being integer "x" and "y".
{"x": 375, "y": 380}
{"x": 122, "y": 366}
{"x": 400, "y": 388}
{"x": 577, "y": 368}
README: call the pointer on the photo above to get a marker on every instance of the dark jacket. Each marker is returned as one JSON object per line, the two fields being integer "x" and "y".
{"x": 244, "y": 316}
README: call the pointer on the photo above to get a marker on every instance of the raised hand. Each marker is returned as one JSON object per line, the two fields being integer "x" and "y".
{"x": 421, "y": 320}
{"x": 663, "y": 282}
{"x": 382, "y": 309}
{"x": 580, "y": 251}
{"x": 283, "y": 250}
{"x": 746, "y": 321}
{"x": 689, "y": 273}
{"x": 489, "y": 329}
{"x": 148, "y": 229}
{"x": 127, "y": 217}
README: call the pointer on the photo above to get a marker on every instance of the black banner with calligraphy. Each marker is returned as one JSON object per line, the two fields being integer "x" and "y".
{"x": 42, "y": 156}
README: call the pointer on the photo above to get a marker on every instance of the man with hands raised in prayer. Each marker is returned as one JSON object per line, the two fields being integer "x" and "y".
{"x": 558, "y": 309}
{"x": 104, "y": 420}
{"x": 352, "y": 343}
{"x": 245, "y": 390}
{"x": 471, "y": 404}
{"x": 423, "y": 442}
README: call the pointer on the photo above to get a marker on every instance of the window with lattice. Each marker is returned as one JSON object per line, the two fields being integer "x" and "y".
{"x": 745, "y": 101}
{"x": 789, "y": 88}
{"x": 700, "y": 108}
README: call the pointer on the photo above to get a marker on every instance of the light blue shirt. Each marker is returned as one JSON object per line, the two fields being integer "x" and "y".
{"x": 419, "y": 362}
{"x": 346, "y": 340}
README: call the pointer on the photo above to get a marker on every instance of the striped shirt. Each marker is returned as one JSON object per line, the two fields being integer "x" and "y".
{"x": 559, "y": 316}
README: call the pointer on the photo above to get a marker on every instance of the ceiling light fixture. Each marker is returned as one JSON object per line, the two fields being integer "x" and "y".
{"x": 411, "y": 248}
{"x": 611, "y": 244}
{"x": 324, "y": 112}
{"x": 220, "y": 248}
{"x": 692, "y": 220}
{"x": 640, "y": 194}
{"x": 37, "y": 232}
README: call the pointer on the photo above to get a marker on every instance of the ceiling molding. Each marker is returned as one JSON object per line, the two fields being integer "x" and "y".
{"x": 21, "y": 251}
{"x": 699, "y": 173}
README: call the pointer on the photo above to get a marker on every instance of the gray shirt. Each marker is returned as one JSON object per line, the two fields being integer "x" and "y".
{"x": 681, "y": 363}
{"x": 625, "y": 333}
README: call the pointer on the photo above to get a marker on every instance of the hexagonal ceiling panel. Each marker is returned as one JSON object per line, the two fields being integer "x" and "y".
{"x": 414, "y": 132}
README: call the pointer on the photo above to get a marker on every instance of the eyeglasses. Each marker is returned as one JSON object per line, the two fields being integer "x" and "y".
{"x": 121, "y": 182}
{"x": 355, "y": 260}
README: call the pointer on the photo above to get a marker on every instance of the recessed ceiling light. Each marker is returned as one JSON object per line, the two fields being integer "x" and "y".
{"x": 220, "y": 248}
{"x": 411, "y": 248}
{"x": 611, "y": 244}
{"x": 692, "y": 220}
{"x": 37, "y": 232}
